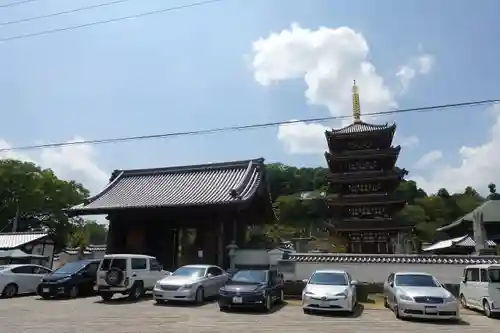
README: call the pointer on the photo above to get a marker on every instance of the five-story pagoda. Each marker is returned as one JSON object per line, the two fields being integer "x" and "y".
{"x": 362, "y": 178}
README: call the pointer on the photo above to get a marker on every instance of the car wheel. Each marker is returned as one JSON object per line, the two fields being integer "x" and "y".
{"x": 45, "y": 296}
{"x": 73, "y": 292}
{"x": 106, "y": 296}
{"x": 463, "y": 301}
{"x": 136, "y": 292}
{"x": 200, "y": 295}
{"x": 10, "y": 290}
{"x": 307, "y": 311}
{"x": 487, "y": 309}
{"x": 386, "y": 304}
{"x": 396, "y": 311}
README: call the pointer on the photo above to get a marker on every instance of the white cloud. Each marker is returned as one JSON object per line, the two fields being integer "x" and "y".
{"x": 420, "y": 65}
{"x": 478, "y": 165}
{"x": 328, "y": 60}
{"x": 429, "y": 159}
{"x": 409, "y": 141}
{"x": 301, "y": 138}
{"x": 76, "y": 162}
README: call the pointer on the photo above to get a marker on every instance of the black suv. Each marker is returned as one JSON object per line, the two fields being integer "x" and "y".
{"x": 252, "y": 288}
{"x": 71, "y": 280}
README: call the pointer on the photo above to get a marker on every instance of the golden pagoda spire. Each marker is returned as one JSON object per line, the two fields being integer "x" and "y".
{"x": 356, "y": 109}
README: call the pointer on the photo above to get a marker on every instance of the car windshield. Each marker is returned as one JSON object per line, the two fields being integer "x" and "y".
{"x": 194, "y": 272}
{"x": 415, "y": 280}
{"x": 332, "y": 279}
{"x": 494, "y": 274}
{"x": 70, "y": 268}
{"x": 250, "y": 276}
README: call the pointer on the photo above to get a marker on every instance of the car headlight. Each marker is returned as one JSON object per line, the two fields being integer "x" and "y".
{"x": 260, "y": 293}
{"x": 308, "y": 294}
{"x": 450, "y": 299}
{"x": 405, "y": 298}
{"x": 157, "y": 285}
{"x": 342, "y": 294}
{"x": 187, "y": 286}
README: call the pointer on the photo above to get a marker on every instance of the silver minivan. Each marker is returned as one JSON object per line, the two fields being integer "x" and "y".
{"x": 480, "y": 289}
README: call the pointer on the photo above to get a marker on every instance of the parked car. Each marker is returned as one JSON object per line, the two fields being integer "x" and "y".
{"x": 190, "y": 283}
{"x": 73, "y": 279}
{"x": 329, "y": 290}
{"x": 20, "y": 279}
{"x": 419, "y": 295}
{"x": 480, "y": 289}
{"x": 252, "y": 288}
{"x": 128, "y": 274}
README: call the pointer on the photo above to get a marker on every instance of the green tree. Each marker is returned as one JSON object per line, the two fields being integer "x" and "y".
{"x": 36, "y": 198}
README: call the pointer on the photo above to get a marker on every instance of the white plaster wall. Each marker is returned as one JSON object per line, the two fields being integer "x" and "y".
{"x": 377, "y": 273}
{"x": 251, "y": 257}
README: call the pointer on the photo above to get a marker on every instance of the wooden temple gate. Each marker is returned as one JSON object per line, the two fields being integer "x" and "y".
{"x": 183, "y": 215}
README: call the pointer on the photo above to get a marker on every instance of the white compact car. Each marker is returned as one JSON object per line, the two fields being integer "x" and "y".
{"x": 190, "y": 283}
{"x": 480, "y": 289}
{"x": 20, "y": 279}
{"x": 419, "y": 295}
{"x": 128, "y": 274}
{"x": 329, "y": 290}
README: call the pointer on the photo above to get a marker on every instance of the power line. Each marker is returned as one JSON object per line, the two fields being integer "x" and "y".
{"x": 85, "y": 25}
{"x": 75, "y": 10}
{"x": 13, "y": 4}
{"x": 247, "y": 127}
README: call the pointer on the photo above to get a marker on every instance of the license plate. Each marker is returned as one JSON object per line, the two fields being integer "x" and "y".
{"x": 432, "y": 309}
{"x": 45, "y": 290}
{"x": 324, "y": 304}
{"x": 237, "y": 300}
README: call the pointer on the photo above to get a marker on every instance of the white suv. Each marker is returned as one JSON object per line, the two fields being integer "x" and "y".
{"x": 128, "y": 274}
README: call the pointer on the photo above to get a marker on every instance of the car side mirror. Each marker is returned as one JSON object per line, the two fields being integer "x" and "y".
{"x": 391, "y": 284}
{"x": 354, "y": 282}
{"x": 210, "y": 275}
{"x": 305, "y": 280}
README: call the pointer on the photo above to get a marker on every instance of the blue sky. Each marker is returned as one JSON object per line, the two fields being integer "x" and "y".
{"x": 194, "y": 69}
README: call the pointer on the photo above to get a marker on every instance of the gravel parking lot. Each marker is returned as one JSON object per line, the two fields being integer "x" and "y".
{"x": 31, "y": 314}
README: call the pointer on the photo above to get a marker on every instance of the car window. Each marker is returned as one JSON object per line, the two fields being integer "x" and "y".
{"x": 415, "y": 280}
{"x": 250, "y": 276}
{"x": 23, "y": 270}
{"x": 154, "y": 265}
{"x": 494, "y": 274}
{"x": 120, "y": 263}
{"x": 215, "y": 271}
{"x": 40, "y": 270}
{"x": 328, "y": 278}
{"x": 194, "y": 272}
{"x": 92, "y": 269}
{"x": 483, "y": 273}
{"x": 139, "y": 263}
{"x": 472, "y": 274}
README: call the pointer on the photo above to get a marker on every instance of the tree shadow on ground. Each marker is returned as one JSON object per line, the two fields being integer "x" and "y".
{"x": 124, "y": 300}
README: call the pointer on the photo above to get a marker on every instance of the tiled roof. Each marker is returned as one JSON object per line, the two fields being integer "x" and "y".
{"x": 391, "y": 259}
{"x": 463, "y": 241}
{"x": 88, "y": 250}
{"x": 13, "y": 240}
{"x": 207, "y": 184}
{"x": 365, "y": 154}
{"x": 490, "y": 210}
{"x": 361, "y": 127}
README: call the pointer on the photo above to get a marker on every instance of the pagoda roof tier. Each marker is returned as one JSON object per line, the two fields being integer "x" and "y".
{"x": 361, "y": 128}
{"x": 364, "y": 200}
{"x": 363, "y": 154}
{"x": 367, "y": 225}
{"x": 367, "y": 176}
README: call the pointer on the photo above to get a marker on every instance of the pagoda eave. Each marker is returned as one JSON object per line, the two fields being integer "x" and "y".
{"x": 368, "y": 152}
{"x": 373, "y": 155}
{"x": 396, "y": 174}
{"x": 362, "y": 201}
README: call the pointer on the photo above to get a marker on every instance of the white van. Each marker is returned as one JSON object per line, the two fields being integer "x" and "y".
{"x": 480, "y": 289}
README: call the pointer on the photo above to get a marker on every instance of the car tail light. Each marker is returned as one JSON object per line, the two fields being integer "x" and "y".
{"x": 126, "y": 282}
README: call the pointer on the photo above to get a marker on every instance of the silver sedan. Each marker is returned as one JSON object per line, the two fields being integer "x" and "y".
{"x": 190, "y": 283}
{"x": 419, "y": 295}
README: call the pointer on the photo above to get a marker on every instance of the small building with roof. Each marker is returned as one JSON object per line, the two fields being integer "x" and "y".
{"x": 184, "y": 214}
{"x": 37, "y": 247}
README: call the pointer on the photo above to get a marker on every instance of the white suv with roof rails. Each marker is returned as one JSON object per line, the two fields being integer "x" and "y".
{"x": 128, "y": 274}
